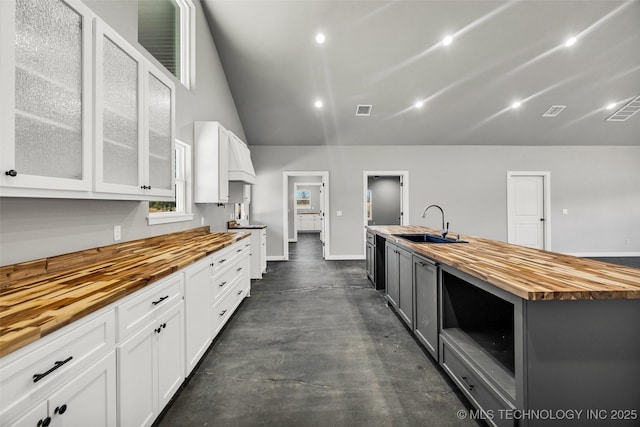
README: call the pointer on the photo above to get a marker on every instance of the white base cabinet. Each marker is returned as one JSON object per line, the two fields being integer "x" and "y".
{"x": 122, "y": 364}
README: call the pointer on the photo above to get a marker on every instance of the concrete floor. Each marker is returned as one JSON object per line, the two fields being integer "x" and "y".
{"x": 316, "y": 345}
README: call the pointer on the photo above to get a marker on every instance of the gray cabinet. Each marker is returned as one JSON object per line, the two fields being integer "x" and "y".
{"x": 399, "y": 281}
{"x": 425, "y": 293}
{"x": 371, "y": 258}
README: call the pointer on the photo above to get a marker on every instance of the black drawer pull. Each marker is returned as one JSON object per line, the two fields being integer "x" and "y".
{"x": 239, "y": 250}
{"x": 38, "y": 377}
{"x": 223, "y": 283}
{"x": 466, "y": 382}
{"x": 223, "y": 312}
{"x": 239, "y": 292}
{"x": 61, "y": 409}
{"x": 11, "y": 173}
{"x": 240, "y": 269}
{"x": 45, "y": 422}
{"x": 160, "y": 300}
{"x": 222, "y": 260}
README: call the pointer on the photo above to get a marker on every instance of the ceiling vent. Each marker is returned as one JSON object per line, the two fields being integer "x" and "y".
{"x": 554, "y": 110}
{"x": 363, "y": 110}
{"x": 626, "y": 111}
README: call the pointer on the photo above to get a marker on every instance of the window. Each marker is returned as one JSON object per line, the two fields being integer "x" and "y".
{"x": 303, "y": 199}
{"x": 166, "y": 28}
{"x": 180, "y": 210}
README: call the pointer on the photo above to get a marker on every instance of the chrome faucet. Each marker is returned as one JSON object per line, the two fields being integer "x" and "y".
{"x": 445, "y": 230}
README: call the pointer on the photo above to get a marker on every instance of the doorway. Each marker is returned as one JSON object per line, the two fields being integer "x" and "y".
{"x": 305, "y": 201}
{"x": 385, "y": 199}
{"x": 529, "y": 209}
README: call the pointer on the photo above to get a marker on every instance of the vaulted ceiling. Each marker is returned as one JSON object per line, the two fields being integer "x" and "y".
{"x": 390, "y": 54}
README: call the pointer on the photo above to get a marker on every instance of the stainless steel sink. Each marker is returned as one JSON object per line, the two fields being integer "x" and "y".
{"x": 427, "y": 238}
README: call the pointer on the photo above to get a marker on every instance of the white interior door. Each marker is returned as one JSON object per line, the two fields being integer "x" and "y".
{"x": 526, "y": 210}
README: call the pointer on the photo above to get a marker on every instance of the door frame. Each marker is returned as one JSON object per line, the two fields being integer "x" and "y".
{"x": 546, "y": 200}
{"x": 324, "y": 175}
{"x": 404, "y": 208}
{"x": 295, "y": 207}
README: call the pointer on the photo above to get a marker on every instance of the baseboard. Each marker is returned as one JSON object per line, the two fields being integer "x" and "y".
{"x": 293, "y": 241}
{"x": 604, "y": 254}
{"x": 344, "y": 257}
{"x": 276, "y": 258}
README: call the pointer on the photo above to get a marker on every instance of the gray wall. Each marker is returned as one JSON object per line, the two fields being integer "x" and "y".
{"x": 385, "y": 198}
{"x": 36, "y": 228}
{"x": 600, "y": 187}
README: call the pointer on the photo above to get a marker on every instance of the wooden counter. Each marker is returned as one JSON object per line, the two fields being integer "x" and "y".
{"x": 38, "y": 297}
{"x": 531, "y": 274}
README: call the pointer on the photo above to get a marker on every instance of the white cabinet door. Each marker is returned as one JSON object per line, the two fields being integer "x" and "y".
{"x": 45, "y": 87}
{"x": 170, "y": 354}
{"x": 134, "y": 126}
{"x": 36, "y": 416}
{"x": 137, "y": 389}
{"x": 160, "y": 134}
{"x": 89, "y": 400}
{"x": 119, "y": 109}
{"x": 211, "y": 163}
{"x": 198, "y": 283}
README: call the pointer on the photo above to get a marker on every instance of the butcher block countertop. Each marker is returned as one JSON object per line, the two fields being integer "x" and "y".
{"x": 531, "y": 274}
{"x": 38, "y": 297}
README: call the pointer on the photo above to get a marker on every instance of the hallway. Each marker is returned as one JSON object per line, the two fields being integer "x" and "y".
{"x": 316, "y": 345}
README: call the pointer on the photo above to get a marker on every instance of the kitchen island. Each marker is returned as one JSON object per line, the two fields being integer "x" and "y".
{"x": 531, "y": 337}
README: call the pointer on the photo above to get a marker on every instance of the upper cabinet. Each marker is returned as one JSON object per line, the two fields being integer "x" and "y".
{"x": 211, "y": 163}
{"x": 45, "y": 87}
{"x": 134, "y": 126}
{"x": 84, "y": 114}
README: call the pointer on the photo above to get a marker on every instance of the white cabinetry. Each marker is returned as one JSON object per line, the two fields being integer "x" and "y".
{"x": 309, "y": 222}
{"x": 197, "y": 290}
{"x": 211, "y": 163}
{"x": 134, "y": 132}
{"x": 45, "y": 87}
{"x": 258, "y": 253}
{"x": 66, "y": 378}
{"x": 56, "y": 101}
{"x": 151, "y": 361}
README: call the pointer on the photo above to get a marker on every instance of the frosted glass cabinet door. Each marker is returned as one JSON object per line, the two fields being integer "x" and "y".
{"x": 45, "y": 85}
{"x": 160, "y": 134}
{"x": 119, "y": 134}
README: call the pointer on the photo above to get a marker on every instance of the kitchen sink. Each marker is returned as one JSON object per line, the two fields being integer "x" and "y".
{"x": 427, "y": 238}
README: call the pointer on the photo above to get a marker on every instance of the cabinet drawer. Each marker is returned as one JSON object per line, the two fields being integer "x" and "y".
{"x": 479, "y": 392}
{"x": 55, "y": 359}
{"x": 226, "y": 256}
{"x": 371, "y": 238}
{"x": 148, "y": 303}
{"x": 226, "y": 279}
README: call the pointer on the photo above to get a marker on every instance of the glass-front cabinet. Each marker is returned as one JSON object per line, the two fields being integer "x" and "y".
{"x": 84, "y": 114}
{"x": 45, "y": 86}
{"x": 134, "y": 134}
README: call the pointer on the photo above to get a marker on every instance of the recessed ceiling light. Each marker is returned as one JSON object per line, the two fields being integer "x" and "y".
{"x": 447, "y": 40}
{"x": 516, "y": 104}
{"x": 318, "y": 104}
{"x": 570, "y": 41}
{"x": 320, "y": 38}
{"x": 611, "y": 106}
{"x": 419, "y": 104}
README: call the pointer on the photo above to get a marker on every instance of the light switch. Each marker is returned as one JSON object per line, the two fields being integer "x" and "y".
{"x": 565, "y": 211}
{"x": 338, "y": 213}
{"x": 117, "y": 233}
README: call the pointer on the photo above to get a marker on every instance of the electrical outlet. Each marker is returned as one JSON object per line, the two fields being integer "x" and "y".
{"x": 117, "y": 233}
{"x": 338, "y": 213}
{"x": 565, "y": 211}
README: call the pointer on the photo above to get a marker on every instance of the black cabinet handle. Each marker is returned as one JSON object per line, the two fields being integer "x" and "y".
{"x": 160, "y": 300}
{"x": 466, "y": 382}
{"x": 61, "y": 409}
{"x": 11, "y": 173}
{"x": 157, "y": 330}
{"x": 239, "y": 250}
{"x": 240, "y": 269}
{"x": 44, "y": 422}
{"x": 223, "y": 312}
{"x": 145, "y": 187}
{"x": 223, "y": 283}
{"x": 222, "y": 260}
{"x": 38, "y": 377}
{"x": 239, "y": 292}
{"x": 164, "y": 325}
